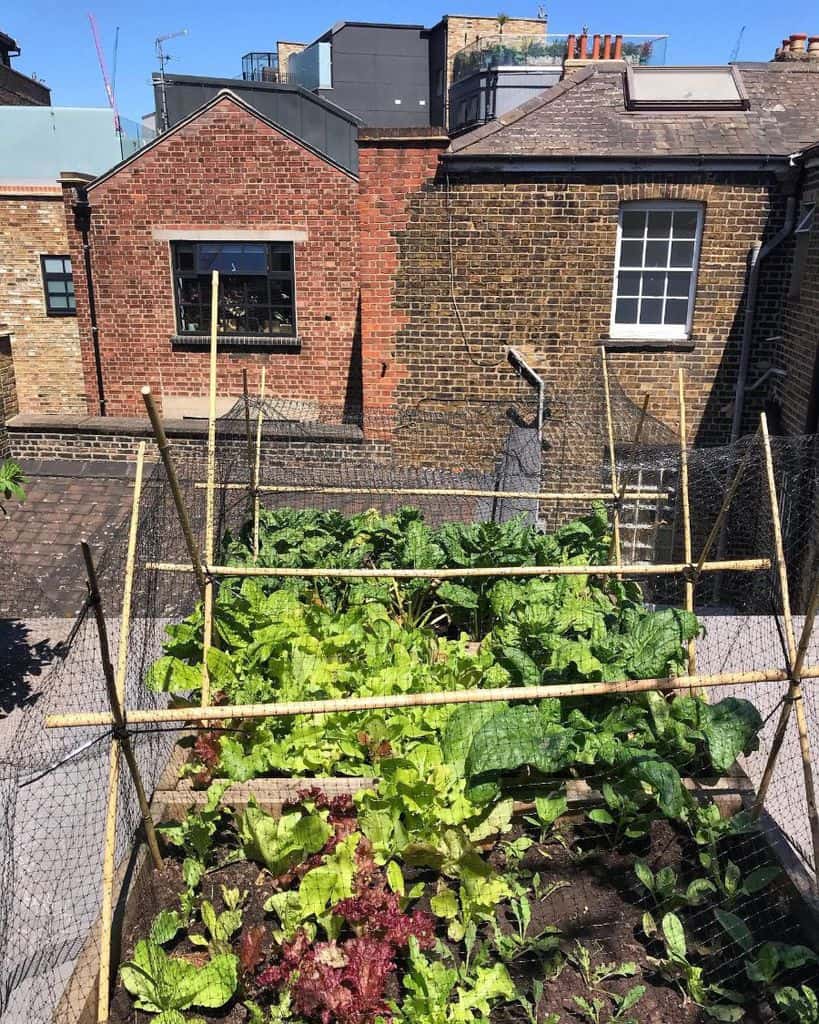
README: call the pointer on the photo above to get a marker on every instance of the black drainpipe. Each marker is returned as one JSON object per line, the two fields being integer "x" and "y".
{"x": 82, "y": 222}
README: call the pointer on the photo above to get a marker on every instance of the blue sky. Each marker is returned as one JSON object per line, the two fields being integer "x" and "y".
{"x": 57, "y": 44}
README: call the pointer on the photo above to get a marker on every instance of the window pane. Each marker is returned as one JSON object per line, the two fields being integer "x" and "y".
{"x": 679, "y": 284}
{"x": 676, "y": 311}
{"x": 256, "y": 290}
{"x": 657, "y": 254}
{"x": 282, "y": 317}
{"x": 190, "y": 319}
{"x": 682, "y": 254}
{"x": 685, "y": 223}
{"x": 280, "y": 259}
{"x": 70, "y": 286}
{"x": 653, "y": 284}
{"x": 631, "y": 254}
{"x": 230, "y": 258}
{"x": 53, "y": 265}
{"x": 651, "y": 311}
{"x": 184, "y": 257}
{"x": 280, "y": 292}
{"x": 72, "y": 303}
{"x": 56, "y": 287}
{"x": 628, "y": 282}
{"x": 634, "y": 223}
{"x": 58, "y": 301}
{"x": 659, "y": 224}
{"x": 626, "y": 311}
{"x": 190, "y": 289}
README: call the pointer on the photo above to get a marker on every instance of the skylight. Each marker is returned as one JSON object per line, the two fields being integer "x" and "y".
{"x": 685, "y": 88}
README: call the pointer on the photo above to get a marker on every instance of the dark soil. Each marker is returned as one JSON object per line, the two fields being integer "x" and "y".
{"x": 587, "y": 890}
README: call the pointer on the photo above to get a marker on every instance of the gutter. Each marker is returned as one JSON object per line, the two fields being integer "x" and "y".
{"x": 757, "y": 254}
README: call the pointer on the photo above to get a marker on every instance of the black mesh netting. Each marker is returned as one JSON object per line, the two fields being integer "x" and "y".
{"x": 571, "y": 856}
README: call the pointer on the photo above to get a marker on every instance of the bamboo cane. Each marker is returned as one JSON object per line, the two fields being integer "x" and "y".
{"x": 116, "y": 707}
{"x": 256, "y": 472}
{"x": 623, "y": 480}
{"x": 248, "y": 431}
{"x": 633, "y": 569}
{"x": 730, "y": 494}
{"x": 612, "y": 460}
{"x": 108, "y": 867}
{"x": 686, "y": 512}
{"x": 228, "y": 712}
{"x": 109, "y": 853}
{"x": 209, "y": 500}
{"x": 794, "y": 696}
{"x": 452, "y": 492}
{"x": 176, "y": 491}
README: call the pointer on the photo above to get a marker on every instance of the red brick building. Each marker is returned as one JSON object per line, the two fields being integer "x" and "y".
{"x": 618, "y": 210}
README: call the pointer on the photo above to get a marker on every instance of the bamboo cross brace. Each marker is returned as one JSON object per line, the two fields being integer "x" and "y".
{"x": 632, "y": 569}
{"x": 229, "y": 712}
{"x": 209, "y": 501}
{"x": 686, "y": 513}
{"x": 176, "y": 491}
{"x": 118, "y": 694}
{"x": 451, "y": 492}
{"x": 259, "y": 422}
{"x": 794, "y": 697}
{"x": 612, "y": 460}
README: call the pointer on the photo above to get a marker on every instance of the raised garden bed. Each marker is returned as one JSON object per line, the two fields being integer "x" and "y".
{"x": 556, "y": 860}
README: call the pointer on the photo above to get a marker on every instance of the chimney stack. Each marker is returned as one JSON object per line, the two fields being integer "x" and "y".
{"x": 602, "y": 52}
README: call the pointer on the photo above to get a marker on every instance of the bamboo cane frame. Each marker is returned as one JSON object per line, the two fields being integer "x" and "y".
{"x": 793, "y": 698}
{"x": 632, "y": 569}
{"x": 95, "y": 600}
{"x": 176, "y": 491}
{"x": 209, "y": 499}
{"x": 256, "y": 470}
{"x": 686, "y": 514}
{"x": 451, "y": 492}
{"x": 227, "y": 712}
{"x": 613, "y": 462}
{"x": 109, "y": 849}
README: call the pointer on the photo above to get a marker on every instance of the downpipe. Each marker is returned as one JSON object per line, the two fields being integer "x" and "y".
{"x": 82, "y": 222}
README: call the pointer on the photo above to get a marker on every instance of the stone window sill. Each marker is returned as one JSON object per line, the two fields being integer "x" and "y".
{"x": 236, "y": 342}
{"x": 648, "y": 344}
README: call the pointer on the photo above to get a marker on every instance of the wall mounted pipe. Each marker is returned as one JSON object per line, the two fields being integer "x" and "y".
{"x": 82, "y": 222}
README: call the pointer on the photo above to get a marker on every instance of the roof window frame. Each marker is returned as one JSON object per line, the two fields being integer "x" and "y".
{"x": 632, "y": 103}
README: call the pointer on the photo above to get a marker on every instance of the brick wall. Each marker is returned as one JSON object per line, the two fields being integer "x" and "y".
{"x": 8, "y": 391}
{"x": 496, "y": 261}
{"x": 46, "y": 350}
{"x": 285, "y": 51}
{"x": 800, "y": 329}
{"x": 225, "y": 169}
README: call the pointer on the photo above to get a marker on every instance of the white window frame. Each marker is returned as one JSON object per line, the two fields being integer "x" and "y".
{"x": 659, "y": 332}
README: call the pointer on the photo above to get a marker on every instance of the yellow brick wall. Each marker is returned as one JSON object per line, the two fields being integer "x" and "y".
{"x": 45, "y": 350}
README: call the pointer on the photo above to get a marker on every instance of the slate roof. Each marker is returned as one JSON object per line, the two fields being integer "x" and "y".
{"x": 585, "y": 115}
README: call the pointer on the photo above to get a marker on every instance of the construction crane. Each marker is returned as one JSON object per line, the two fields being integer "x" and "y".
{"x": 109, "y": 92}
{"x": 735, "y": 51}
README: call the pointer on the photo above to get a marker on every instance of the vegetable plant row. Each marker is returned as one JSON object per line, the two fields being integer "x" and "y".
{"x": 426, "y": 898}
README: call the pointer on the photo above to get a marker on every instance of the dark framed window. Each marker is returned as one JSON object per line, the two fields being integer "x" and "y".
{"x": 256, "y": 288}
{"x": 58, "y": 285}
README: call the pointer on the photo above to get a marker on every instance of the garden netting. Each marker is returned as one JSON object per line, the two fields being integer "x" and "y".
{"x": 321, "y": 488}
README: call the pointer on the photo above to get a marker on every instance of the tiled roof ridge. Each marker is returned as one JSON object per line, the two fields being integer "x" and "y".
{"x": 529, "y": 107}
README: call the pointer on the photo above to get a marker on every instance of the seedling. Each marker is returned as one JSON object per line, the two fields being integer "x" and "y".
{"x": 623, "y": 813}
{"x": 797, "y": 1005}
{"x": 772, "y": 959}
{"x": 717, "y": 1002}
{"x": 220, "y": 927}
{"x": 594, "y": 975}
{"x": 516, "y": 943}
{"x": 598, "y": 1011}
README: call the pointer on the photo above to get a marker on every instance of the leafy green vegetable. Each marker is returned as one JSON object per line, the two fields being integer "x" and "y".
{"x": 161, "y": 983}
{"x": 281, "y": 842}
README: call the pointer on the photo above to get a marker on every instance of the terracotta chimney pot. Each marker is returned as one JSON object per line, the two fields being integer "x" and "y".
{"x": 607, "y": 46}
{"x": 813, "y": 47}
{"x": 583, "y": 46}
{"x": 571, "y": 44}
{"x": 618, "y": 47}
{"x": 797, "y": 42}
{"x": 596, "y": 47}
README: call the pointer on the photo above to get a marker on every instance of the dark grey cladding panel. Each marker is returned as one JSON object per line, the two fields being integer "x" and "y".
{"x": 317, "y": 123}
